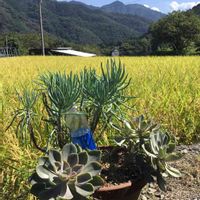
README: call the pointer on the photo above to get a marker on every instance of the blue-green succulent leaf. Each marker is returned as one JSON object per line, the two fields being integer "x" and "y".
{"x": 83, "y": 178}
{"x": 67, "y": 150}
{"x": 85, "y": 190}
{"x": 93, "y": 168}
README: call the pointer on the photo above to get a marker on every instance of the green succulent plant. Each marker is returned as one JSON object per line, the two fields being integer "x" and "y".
{"x": 104, "y": 93}
{"x": 101, "y": 96}
{"x": 135, "y": 132}
{"x": 161, "y": 148}
{"x": 72, "y": 173}
{"x": 155, "y": 146}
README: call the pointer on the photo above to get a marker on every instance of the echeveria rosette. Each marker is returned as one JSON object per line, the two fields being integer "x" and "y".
{"x": 160, "y": 148}
{"x": 72, "y": 173}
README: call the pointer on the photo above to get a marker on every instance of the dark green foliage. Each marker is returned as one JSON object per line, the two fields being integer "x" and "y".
{"x": 177, "y": 31}
{"x": 71, "y": 22}
{"x": 136, "y": 46}
{"x": 196, "y": 9}
{"x": 23, "y": 42}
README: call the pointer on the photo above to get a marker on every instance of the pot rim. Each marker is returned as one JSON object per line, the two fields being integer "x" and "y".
{"x": 115, "y": 187}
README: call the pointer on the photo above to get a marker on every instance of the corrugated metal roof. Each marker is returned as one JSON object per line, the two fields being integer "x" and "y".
{"x": 75, "y": 53}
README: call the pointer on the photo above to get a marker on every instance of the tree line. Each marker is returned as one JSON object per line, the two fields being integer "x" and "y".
{"x": 176, "y": 34}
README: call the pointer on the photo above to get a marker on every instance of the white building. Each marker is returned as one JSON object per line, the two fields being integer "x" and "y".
{"x": 70, "y": 52}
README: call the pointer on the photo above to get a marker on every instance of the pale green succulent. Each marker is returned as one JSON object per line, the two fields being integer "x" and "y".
{"x": 161, "y": 150}
{"x": 135, "y": 132}
{"x": 72, "y": 173}
{"x": 156, "y": 147}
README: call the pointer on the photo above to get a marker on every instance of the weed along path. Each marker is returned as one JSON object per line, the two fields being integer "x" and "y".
{"x": 185, "y": 188}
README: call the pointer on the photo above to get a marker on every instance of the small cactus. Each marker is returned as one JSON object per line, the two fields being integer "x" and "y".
{"x": 72, "y": 173}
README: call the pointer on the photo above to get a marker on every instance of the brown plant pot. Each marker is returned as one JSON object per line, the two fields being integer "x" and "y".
{"x": 124, "y": 191}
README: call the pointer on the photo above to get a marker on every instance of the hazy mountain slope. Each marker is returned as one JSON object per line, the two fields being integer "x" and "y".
{"x": 196, "y": 9}
{"x": 73, "y": 22}
{"x": 133, "y": 9}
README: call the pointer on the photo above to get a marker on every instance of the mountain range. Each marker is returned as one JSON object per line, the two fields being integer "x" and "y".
{"x": 133, "y": 9}
{"x": 77, "y": 22}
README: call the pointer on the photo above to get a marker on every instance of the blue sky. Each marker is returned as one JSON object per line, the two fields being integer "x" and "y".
{"x": 162, "y": 5}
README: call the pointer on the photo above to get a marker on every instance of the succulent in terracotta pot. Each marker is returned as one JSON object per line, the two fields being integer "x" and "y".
{"x": 72, "y": 173}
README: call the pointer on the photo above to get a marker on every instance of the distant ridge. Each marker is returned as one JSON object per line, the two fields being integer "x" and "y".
{"x": 133, "y": 9}
{"x": 83, "y": 4}
{"x": 73, "y": 21}
{"x": 196, "y": 9}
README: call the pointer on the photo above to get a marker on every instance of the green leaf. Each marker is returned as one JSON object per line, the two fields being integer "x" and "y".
{"x": 162, "y": 153}
{"x": 120, "y": 141}
{"x": 42, "y": 172}
{"x": 66, "y": 193}
{"x": 148, "y": 153}
{"x": 54, "y": 157}
{"x": 67, "y": 150}
{"x": 85, "y": 190}
{"x": 97, "y": 182}
{"x": 77, "y": 168}
{"x": 72, "y": 159}
{"x": 94, "y": 155}
{"x": 93, "y": 168}
{"x": 43, "y": 160}
{"x": 83, "y": 157}
{"x": 171, "y": 147}
{"x": 173, "y": 172}
{"x": 83, "y": 178}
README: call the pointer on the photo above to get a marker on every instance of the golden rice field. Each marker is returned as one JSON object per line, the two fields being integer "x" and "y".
{"x": 167, "y": 90}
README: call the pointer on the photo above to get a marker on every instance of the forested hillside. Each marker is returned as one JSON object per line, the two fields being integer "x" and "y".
{"x": 73, "y": 22}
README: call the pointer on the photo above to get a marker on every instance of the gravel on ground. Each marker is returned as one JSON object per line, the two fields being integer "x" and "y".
{"x": 186, "y": 187}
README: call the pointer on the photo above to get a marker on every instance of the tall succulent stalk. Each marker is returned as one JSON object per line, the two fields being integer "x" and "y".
{"x": 101, "y": 96}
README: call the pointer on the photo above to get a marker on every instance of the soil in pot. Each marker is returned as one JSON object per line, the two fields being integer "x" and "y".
{"x": 124, "y": 180}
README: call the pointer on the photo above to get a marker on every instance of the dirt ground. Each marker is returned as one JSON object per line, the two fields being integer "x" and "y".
{"x": 185, "y": 188}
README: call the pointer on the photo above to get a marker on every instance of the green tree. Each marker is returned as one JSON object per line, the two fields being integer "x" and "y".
{"x": 178, "y": 31}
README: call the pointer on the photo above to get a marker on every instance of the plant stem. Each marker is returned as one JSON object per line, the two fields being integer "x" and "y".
{"x": 96, "y": 117}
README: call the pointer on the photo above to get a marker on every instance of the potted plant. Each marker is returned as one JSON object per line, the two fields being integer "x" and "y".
{"x": 142, "y": 155}
{"x": 78, "y": 108}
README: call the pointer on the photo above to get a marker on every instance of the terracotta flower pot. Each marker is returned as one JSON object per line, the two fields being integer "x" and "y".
{"x": 123, "y": 191}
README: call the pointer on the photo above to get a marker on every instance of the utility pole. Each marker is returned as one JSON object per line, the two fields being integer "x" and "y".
{"x": 7, "y": 53}
{"x": 41, "y": 28}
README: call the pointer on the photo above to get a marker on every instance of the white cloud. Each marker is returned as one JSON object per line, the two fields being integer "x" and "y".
{"x": 155, "y": 9}
{"x": 147, "y": 6}
{"x": 183, "y": 6}
{"x": 152, "y": 8}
